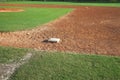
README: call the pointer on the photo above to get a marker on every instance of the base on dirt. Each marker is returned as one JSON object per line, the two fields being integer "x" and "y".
{"x": 54, "y": 40}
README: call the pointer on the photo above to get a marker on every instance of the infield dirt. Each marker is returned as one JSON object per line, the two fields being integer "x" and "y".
{"x": 93, "y": 30}
{"x": 10, "y": 10}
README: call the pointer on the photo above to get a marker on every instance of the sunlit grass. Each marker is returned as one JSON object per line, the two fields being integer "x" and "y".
{"x": 29, "y": 18}
{"x": 65, "y": 66}
{"x": 9, "y": 55}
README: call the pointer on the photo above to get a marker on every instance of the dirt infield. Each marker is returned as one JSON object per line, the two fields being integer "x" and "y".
{"x": 94, "y": 30}
{"x": 10, "y": 10}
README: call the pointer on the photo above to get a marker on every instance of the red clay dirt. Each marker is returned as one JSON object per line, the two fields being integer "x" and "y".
{"x": 93, "y": 30}
{"x": 10, "y": 10}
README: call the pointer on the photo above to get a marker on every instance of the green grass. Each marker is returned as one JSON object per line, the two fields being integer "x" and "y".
{"x": 62, "y": 66}
{"x": 66, "y": 3}
{"x": 31, "y": 17}
{"x": 9, "y": 55}
{"x": 54, "y": 65}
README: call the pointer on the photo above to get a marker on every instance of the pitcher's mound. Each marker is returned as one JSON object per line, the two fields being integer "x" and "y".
{"x": 10, "y": 10}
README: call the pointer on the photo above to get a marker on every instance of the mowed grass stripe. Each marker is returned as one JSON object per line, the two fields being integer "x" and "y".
{"x": 30, "y": 18}
{"x": 65, "y": 66}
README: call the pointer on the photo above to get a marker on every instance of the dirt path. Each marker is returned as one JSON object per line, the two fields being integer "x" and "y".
{"x": 10, "y": 10}
{"x": 94, "y": 30}
{"x": 6, "y": 70}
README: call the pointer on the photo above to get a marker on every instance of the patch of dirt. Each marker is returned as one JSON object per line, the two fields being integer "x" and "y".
{"x": 10, "y": 10}
{"x": 93, "y": 30}
{"x": 6, "y": 70}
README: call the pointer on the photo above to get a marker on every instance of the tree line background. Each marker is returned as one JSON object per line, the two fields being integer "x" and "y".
{"x": 70, "y": 0}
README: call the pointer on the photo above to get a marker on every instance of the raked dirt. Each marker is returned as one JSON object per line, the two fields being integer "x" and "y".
{"x": 93, "y": 30}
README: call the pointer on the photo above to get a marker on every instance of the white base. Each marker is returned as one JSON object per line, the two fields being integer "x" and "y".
{"x": 55, "y": 40}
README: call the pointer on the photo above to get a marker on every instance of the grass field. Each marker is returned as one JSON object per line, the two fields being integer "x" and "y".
{"x": 66, "y": 3}
{"x": 61, "y": 66}
{"x": 54, "y": 65}
{"x": 8, "y": 55}
{"x": 31, "y": 17}
{"x": 65, "y": 66}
